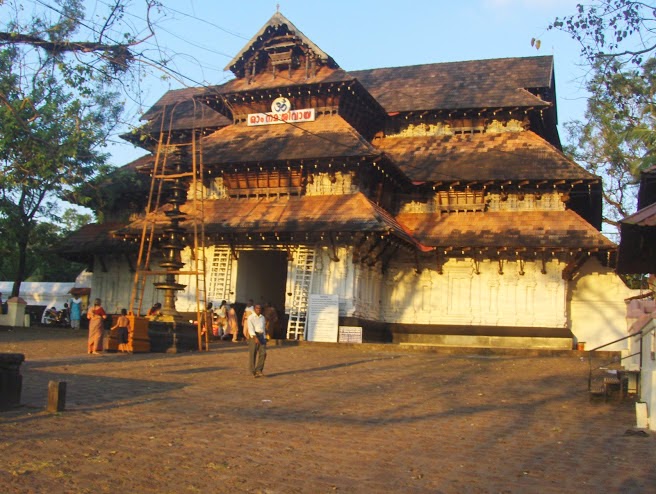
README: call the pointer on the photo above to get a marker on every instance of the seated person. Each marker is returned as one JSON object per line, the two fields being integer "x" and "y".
{"x": 155, "y": 310}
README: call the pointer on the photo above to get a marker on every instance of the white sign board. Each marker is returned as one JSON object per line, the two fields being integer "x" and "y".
{"x": 350, "y": 334}
{"x": 292, "y": 116}
{"x": 323, "y": 318}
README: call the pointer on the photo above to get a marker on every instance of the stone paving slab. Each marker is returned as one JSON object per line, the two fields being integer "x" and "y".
{"x": 326, "y": 418}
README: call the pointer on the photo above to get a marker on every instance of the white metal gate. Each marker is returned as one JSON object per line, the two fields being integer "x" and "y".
{"x": 302, "y": 283}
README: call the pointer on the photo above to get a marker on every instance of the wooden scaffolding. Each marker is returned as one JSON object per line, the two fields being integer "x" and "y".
{"x": 187, "y": 173}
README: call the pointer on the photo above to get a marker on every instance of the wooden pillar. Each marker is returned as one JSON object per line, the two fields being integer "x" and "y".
{"x": 56, "y": 396}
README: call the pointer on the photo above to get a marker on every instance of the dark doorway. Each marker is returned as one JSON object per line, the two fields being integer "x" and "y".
{"x": 262, "y": 276}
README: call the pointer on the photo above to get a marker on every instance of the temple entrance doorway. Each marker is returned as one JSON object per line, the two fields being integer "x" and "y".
{"x": 262, "y": 276}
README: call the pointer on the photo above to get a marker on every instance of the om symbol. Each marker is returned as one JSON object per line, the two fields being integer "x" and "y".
{"x": 280, "y": 105}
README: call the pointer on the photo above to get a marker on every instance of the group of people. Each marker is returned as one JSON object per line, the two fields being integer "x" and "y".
{"x": 97, "y": 315}
{"x": 227, "y": 321}
{"x": 69, "y": 316}
{"x": 257, "y": 325}
{"x": 223, "y": 321}
{"x": 254, "y": 325}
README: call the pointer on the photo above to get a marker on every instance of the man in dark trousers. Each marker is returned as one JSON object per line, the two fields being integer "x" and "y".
{"x": 256, "y": 326}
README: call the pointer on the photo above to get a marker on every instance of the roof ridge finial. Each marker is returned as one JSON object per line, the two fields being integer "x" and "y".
{"x": 277, "y": 8}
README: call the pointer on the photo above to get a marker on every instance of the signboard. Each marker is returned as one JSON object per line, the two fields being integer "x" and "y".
{"x": 281, "y": 112}
{"x": 294, "y": 116}
{"x": 350, "y": 334}
{"x": 323, "y": 318}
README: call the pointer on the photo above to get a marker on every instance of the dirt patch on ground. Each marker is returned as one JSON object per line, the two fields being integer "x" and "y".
{"x": 325, "y": 418}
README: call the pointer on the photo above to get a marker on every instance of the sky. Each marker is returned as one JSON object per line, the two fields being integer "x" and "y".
{"x": 204, "y": 35}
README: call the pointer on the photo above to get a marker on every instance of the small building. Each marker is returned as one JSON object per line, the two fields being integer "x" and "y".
{"x": 434, "y": 200}
{"x": 637, "y": 256}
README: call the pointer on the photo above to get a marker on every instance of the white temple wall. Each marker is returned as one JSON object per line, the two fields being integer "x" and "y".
{"x": 368, "y": 289}
{"x": 648, "y": 371}
{"x": 593, "y": 306}
{"x": 114, "y": 286}
{"x": 459, "y": 296}
{"x": 597, "y": 307}
{"x": 336, "y": 277}
{"x": 185, "y": 301}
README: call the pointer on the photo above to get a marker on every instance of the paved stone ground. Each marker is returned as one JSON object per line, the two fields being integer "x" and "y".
{"x": 327, "y": 418}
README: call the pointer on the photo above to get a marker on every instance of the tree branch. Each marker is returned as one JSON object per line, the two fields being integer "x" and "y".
{"x": 57, "y": 47}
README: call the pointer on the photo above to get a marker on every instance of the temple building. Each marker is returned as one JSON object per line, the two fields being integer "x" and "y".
{"x": 433, "y": 200}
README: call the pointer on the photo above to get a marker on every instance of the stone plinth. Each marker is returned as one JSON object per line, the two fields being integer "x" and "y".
{"x": 15, "y": 315}
{"x": 172, "y": 337}
{"x": 138, "y": 341}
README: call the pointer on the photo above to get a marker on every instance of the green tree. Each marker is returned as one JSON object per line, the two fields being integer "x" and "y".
{"x": 42, "y": 263}
{"x": 58, "y": 104}
{"x": 617, "y": 40}
{"x": 616, "y": 140}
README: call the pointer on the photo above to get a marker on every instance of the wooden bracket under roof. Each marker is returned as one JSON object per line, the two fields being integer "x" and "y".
{"x": 574, "y": 265}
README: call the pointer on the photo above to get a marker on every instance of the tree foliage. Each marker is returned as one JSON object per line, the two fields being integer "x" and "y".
{"x": 42, "y": 263}
{"x": 59, "y": 78}
{"x": 114, "y": 195}
{"x": 612, "y": 33}
{"x": 616, "y": 140}
{"x": 618, "y": 41}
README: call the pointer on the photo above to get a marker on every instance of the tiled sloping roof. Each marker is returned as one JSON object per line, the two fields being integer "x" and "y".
{"x": 495, "y": 83}
{"x": 644, "y": 217}
{"x": 530, "y": 229}
{"x": 337, "y": 213}
{"x": 146, "y": 159}
{"x": 505, "y": 156}
{"x": 94, "y": 238}
{"x": 282, "y": 79}
{"x": 185, "y": 114}
{"x": 328, "y": 136}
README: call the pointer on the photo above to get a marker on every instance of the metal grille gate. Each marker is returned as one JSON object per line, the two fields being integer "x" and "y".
{"x": 302, "y": 283}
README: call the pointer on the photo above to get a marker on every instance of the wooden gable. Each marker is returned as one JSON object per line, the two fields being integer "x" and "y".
{"x": 277, "y": 47}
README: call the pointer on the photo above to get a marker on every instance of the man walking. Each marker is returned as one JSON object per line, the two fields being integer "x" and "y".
{"x": 256, "y": 325}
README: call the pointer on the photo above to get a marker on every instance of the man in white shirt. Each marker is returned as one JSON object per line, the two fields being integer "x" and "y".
{"x": 256, "y": 341}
